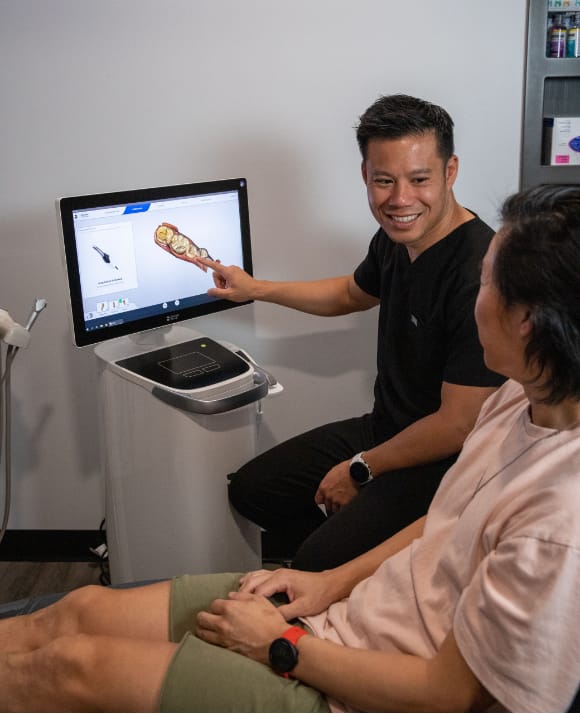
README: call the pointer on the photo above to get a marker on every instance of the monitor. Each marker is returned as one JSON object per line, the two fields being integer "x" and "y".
{"x": 129, "y": 254}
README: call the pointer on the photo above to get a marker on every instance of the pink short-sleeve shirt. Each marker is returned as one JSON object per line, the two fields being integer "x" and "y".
{"x": 498, "y": 562}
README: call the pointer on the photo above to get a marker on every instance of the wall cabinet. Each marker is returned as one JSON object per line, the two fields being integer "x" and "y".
{"x": 552, "y": 90}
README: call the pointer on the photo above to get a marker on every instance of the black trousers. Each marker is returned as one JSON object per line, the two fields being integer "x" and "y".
{"x": 276, "y": 490}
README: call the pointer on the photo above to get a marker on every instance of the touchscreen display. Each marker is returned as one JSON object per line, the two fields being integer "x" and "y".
{"x": 129, "y": 255}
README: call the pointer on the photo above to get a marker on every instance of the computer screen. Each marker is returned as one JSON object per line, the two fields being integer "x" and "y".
{"x": 129, "y": 254}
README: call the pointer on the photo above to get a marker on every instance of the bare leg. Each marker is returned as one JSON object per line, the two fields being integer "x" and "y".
{"x": 141, "y": 613}
{"x": 96, "y": 649}
{"x": 85, "y": 673}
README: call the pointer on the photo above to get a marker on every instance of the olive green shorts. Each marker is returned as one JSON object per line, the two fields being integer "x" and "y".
{"x": 206, "y": 678}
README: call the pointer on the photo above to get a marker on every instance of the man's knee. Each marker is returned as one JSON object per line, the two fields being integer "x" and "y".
{"x": 242, "y": 491}
{"x": 257, "y": 496}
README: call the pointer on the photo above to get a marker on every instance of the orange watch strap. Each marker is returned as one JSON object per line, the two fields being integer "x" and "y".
{"x": 293, "y": 634}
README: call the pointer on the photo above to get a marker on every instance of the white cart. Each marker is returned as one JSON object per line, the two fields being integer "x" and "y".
{"x": 176, "y": 419}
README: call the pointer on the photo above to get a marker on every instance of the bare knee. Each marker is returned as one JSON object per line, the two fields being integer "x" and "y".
{"x": 95, "y": 673}
{"x": 65, "y": 617}
{"x": 61, "y": 675}
{"x": 83, "y": 598}
{"x": 69, "y": 658}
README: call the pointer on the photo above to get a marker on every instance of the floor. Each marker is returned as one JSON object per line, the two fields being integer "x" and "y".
{"x": 24, "y": 579}
{"x": 20, "y": 580}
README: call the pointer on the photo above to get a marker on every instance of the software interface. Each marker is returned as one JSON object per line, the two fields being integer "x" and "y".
{"x": 136, "y": 260}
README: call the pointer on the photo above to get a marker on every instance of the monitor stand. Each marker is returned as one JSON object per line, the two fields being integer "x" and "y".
{"x": 161, "y": 336}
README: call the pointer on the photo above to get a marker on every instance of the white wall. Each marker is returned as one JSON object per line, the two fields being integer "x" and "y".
{"x": 112, "y": 95}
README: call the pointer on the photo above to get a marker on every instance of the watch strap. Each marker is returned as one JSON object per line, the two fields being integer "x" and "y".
{"x": 359, "y": 459}
{"x": 292, "y": 634}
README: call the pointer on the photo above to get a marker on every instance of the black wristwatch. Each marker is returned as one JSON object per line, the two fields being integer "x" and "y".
{"x": 283, "y": 653}
{"x": 360, "y": 471}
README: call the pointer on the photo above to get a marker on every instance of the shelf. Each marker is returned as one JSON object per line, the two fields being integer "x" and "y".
{"x": 557, "y": 67}
{"x": 555, "y": 174}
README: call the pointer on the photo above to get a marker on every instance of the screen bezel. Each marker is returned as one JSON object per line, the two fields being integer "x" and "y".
{"x": 68, "y": 205}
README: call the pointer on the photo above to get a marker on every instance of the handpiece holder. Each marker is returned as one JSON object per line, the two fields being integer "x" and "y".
{"x": 11, "y": 332}
{"x": 14, "y": 334}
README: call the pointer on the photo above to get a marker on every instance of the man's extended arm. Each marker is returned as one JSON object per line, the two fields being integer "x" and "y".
{"x": 327, "y": 297}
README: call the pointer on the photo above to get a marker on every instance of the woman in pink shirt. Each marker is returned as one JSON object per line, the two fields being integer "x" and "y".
{"x": 474, "y": 606}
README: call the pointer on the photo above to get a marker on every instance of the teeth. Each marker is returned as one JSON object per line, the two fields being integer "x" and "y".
{"x": 404, "y": 219}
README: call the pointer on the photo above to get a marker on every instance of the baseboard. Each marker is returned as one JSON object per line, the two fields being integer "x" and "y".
{"x": 50, "y": 546}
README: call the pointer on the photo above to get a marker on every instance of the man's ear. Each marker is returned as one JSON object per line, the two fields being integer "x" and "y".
{"x": 363, "y": 170}
{"x": 451, "y": 170}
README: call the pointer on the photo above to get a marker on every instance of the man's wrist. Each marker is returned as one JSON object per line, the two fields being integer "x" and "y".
{"x": 263, "y": 290}
{"x": 360, "y": 471}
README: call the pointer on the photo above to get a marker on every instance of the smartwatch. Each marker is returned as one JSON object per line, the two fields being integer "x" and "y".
{"x": 360, "y": 471}
{"x": 283, "y": 653}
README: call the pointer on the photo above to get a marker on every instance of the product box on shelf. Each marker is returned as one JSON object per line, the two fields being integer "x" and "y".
{"x": 565, "y": 140}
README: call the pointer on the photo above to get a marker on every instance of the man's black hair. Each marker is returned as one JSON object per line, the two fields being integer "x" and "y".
{"x": 399, "y": 115}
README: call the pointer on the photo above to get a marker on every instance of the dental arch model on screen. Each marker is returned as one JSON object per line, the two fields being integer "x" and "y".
{"x": 169, "y": 237}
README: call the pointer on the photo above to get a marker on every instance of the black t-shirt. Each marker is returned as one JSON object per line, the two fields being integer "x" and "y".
{"x": 427, "y": 333}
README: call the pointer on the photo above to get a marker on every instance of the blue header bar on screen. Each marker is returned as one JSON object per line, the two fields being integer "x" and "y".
{"x": 137, "y": 208}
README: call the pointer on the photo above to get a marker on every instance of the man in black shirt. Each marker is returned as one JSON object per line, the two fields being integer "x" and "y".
{"x": 374, "y": 474}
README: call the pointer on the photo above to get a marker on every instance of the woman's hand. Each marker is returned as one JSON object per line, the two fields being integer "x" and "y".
{"x": 243, "y": 623}
{"x": 308, "y": 593}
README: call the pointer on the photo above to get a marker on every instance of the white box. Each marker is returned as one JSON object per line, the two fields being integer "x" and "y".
{"x": 565, "y": 149}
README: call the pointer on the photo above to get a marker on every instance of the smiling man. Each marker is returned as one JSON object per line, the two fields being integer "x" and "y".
{"x": 378, "y": 472}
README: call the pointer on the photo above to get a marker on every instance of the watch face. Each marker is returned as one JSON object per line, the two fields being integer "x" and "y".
{"x": 283, "y": 655}
{"x": 359, "y": 472}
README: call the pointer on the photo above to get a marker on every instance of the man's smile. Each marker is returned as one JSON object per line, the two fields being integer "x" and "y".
{"x": 403, "y": 219}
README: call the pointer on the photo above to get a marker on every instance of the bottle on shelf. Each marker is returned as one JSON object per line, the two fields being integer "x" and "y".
{"x": 557, "y": 38}
{"x": 573, "y": 37}
{"x": 550, "y": 24}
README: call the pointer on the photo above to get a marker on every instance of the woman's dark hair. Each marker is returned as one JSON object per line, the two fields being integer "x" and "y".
{"x": 537, "y": 264}
{"x": 399, "y": 115}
